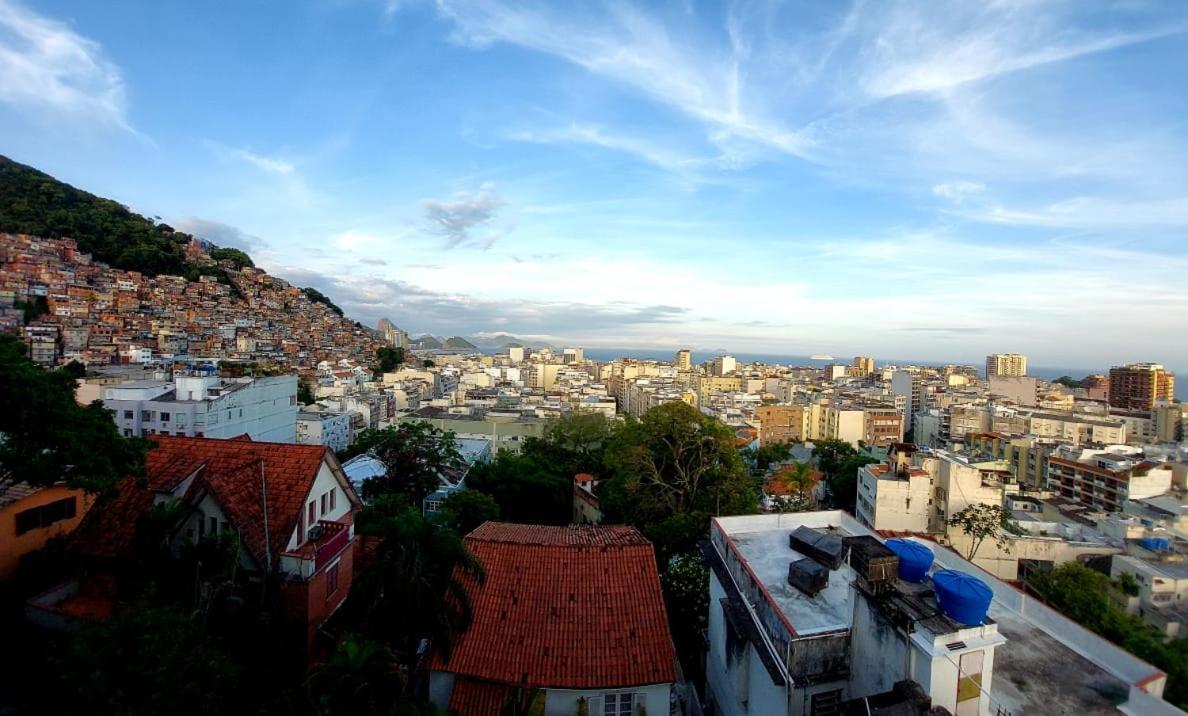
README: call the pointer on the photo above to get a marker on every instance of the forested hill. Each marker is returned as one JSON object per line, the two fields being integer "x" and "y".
{"x": 33, "y": 202}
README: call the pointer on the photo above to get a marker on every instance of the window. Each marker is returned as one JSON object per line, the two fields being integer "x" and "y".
{"x": 127, "y": 432}
{"x": 128, "y": 415}
{"x": 618, "y": 704}
{"x": 325, "y": 502}
{"x": 292, "y": 400}
{"x": 214, "y": 526}
{"x": 198, "y": 435}
{"x": 331, "y": 580}
{"x": 433, "y": 506}
{"x": 313, "y": 512}
{"x": 333, "y": 493}
{"x": 146, "y": 415}
{"x": 181, "y": 418}
{"x": 46, "y": 515}
{"x": 164, "y": 417}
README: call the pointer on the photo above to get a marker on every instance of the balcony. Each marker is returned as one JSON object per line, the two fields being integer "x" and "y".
{"x": 326, "y": 540}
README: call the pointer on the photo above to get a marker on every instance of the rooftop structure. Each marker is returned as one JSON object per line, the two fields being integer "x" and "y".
{"x": 862, "y": 633}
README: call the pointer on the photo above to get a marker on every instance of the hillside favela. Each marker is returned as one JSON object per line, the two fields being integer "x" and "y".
{"x": 454, "y": 358}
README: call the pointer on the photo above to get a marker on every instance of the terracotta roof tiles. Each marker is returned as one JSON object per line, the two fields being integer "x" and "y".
{"x": 564, "y": 607}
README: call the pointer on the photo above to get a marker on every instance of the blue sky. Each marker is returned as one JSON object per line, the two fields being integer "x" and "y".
{"x": 930, "y": 180}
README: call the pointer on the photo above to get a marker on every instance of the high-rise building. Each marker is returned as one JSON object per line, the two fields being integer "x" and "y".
{"x": 723, "y": 365}
{"x": 1005, "y": 365}
{"x": 862, "y": 367}
{"x": 1139, "y": 386}
{"x": 573, "y": 355}
{"x": 516, "y": 353}
{"x": 392, "y": 334}
{"x": 684, "y": 359}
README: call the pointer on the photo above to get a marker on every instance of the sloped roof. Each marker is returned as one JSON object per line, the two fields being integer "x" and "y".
{"x": 230, "y": 470}
{"x": 564, "y": 607}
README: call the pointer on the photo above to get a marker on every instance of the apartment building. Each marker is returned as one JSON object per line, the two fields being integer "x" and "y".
{"x": 862, "y": 367}
{"x": 1105, "y": 479}
{"x": 1141, "y": 386}
{"x": 206, "y": 406}
{"x": 330, "y": 429}
{"x": 1004, "y": 365}
{"x": 684, "y": 359}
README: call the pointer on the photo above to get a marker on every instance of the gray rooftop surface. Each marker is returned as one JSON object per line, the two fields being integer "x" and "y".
{"x": 768, "y": 554}
{"x": 1034, "y": 673}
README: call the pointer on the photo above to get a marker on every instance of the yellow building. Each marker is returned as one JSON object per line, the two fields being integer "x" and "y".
{"x": 684, "y": 359}
{"x": 862, "y": 366}
{"x": 31, "y": 516}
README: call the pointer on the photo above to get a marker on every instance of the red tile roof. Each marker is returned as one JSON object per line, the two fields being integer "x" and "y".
{"x": 230, "y": 470}
{"x": 479, "y": 698}
{"x": 564, "y": 607}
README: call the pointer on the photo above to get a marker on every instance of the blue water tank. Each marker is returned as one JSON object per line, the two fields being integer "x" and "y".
{"x": 914, "y": 559}
{"x": 1155, "y": 544}
{"x": 962, "y": 598}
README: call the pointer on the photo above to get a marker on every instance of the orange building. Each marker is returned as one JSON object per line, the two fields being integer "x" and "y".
{"x": 31, "y": 516}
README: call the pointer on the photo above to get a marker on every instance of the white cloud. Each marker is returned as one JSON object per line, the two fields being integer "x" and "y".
{"x": 272, "y": 165}
{"x": 958, "y": 190}
{"x": 46, "y": 65}
{"x": 1097, "y": 213}
{"x": 458, "y": 219}
{"x": 598, "y": 136}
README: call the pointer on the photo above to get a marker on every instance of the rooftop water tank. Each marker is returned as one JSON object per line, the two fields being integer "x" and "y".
{"x": 914, "y": 559}
{"x": 963, "y": 598}
{"x": 1155, "y": 544}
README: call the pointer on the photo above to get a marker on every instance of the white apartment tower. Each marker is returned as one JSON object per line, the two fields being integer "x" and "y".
{"x": 1005, "y": 365}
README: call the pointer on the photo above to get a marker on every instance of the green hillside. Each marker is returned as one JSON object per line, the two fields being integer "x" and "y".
{"x": 33, "y": 202}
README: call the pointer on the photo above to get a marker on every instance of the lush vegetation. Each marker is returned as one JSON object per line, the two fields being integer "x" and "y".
{"x": 240, "y": 259}
{"x": 388, "y": 359}
{"x": 49, "y": 437}
{"x": 1068, "y": 381}
{"x": 36, "y": 203}
{"x": 980, "y": 522}
{"x": 1083, "y": 595}
{"x": 416, "y": 456}
{"x": 317, "y": 296}
{"x": 840, "y": 462}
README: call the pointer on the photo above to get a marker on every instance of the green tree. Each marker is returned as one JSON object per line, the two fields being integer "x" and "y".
{"x": 526, "y": 489}
{"x": 427, "y": 363}
{"x": 575, "y": 443}
{"x": 685, "y": 583}
{"x": 1068, "y": 381}
{"x": 674, "y": 460}
{"x": 387, "y": 359}
{"x": 980, "y": 521}
{"x": 464, "y": 510}
{"x": 831, "y": 454}
{"x": 418, "y": 584}
{"x": 317, "y": 296}
{"x": 360, "y": 678}
{"x": 416, "y": 455}
{"x": 240, "y": 259}
{"x": 145, "y": 660}
{"x": 305, "y": 396}
{"x": 843, "y": 484}
{"x": 49, "y": 437}
{"x": 764, "y": 456}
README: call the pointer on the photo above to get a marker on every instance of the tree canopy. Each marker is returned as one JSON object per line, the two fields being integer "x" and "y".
{"x": 317, "y": 296}
{"x": 675, "y": 460}
{"x": 35, "y": 203}
{"x": 387, "y": 359}
{"x": 416, "y": 455}
{"x": 240, "y": 259}
{"x": 464, "y": 510}
{"x": 49, "y": 437}
{"x": 980, "y": 521}
{"x": 526, "y": 489}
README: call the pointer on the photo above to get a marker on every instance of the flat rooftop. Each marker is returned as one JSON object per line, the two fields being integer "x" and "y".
{"x": 1047, "y": 665}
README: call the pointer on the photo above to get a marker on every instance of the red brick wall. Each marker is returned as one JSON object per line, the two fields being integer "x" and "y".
{"x": 306, "y": 604}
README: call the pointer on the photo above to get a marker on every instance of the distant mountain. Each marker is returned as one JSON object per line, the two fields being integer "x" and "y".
{"x": 503, "y": 341}
{"x": 459, "y": 343}
{"x": 425, "y": 342}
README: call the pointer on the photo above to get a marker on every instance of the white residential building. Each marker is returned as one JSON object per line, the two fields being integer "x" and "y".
{"x": 264, "y": 409}
{"x": 324, "y": 428}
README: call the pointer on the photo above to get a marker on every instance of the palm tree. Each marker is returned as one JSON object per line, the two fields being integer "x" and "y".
{"x": 360, "y": 679}
{"x": 418, "y": 586}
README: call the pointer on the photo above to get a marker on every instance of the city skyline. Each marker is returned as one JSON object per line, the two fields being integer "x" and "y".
{"x": 779, "y": 181}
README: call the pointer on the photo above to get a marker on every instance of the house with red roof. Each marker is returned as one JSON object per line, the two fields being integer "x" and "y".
{"x": 290, "y": 506}
{"x": 567, "y": 620}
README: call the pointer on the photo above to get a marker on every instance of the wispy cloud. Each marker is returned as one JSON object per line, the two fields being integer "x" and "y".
{"x": 273, "y": 165}
{"x": 465, "y": 220}
{"x": 958, "y": 190}
{"x": 45, "y": 65}
{"x": 220, "y": 234}
{"x": 595, "y": 135}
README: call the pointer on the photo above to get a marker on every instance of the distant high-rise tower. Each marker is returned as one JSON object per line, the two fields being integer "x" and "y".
{"x": 573, "y": 355}
{"x": 862, "y": 367}
{"x": 392, "y": 334}
{"x": 1139, "y": 386}
{"x": 1005, "y": 365}
{"x": 684, "y": 359}
{"x": 723, "y": 365}
{"x": 516, "y": 353}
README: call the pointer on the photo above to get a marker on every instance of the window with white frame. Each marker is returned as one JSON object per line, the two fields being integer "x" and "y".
{"x": 620, "y": 704}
